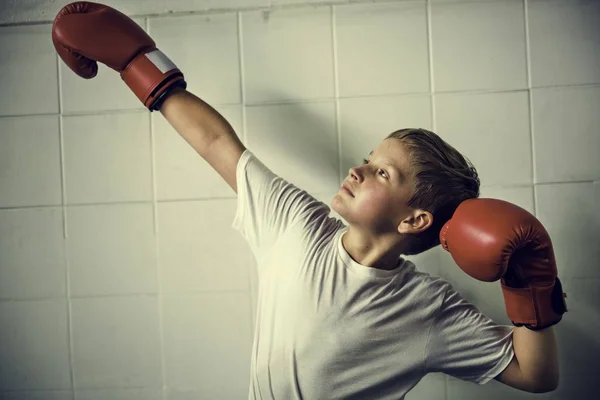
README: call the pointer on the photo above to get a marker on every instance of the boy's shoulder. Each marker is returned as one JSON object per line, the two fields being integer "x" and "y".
{"x": 433, "y": 285}
{"x": 427, "y": 278}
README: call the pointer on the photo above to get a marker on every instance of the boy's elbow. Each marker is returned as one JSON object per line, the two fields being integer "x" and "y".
{"x": 544, "y": 389}
{"x": 546, "y": 386}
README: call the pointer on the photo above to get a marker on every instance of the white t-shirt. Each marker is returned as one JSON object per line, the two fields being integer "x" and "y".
{"x": 330, "y": 328}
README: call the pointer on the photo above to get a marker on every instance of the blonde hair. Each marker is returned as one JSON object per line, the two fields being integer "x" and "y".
{"x": 443, "y": 178}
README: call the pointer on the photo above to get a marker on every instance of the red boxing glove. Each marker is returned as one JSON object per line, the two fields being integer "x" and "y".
{"x": 85, "y": 32}
{"x": 491, "y": 239}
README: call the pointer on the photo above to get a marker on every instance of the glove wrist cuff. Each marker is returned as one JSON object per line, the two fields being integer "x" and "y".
{"x": 150, "y": 75}
{"x": 535, "y": 307}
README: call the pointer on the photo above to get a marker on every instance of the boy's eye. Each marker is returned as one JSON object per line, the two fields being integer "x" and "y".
{"x": 365, "y": 161}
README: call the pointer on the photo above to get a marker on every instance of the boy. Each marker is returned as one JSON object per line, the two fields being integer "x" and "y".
{"x": 341, "y": 315}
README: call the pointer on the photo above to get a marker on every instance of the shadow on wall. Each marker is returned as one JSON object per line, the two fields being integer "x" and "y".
{"x": 302, "y": 134}
{"x": 578, "y": 338}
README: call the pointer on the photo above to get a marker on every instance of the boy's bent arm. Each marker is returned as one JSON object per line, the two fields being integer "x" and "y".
{"x": 206, "y": 131}
{"x": 534, "y": 367}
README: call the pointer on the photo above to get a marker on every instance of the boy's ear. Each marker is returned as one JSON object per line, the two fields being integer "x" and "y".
{"x": 416, "y": 222}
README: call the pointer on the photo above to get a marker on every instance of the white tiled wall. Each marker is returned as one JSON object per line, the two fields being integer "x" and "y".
{"x": 120, "y": 275}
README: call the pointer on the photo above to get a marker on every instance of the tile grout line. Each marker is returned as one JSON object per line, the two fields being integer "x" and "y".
{"x": 336, "y": 94}
{"x": 158, "y": 270}
{"x": 269, "y": 7}
{"x": 431, "y": 75}
{"x": 67, "y": 263}
{"x": 322, "y": 100}
{"x": 432, "y": 104}
{"x": 244, "y": 139}
{"x": 530, "y": 104}
{"x": 208, "y": 199}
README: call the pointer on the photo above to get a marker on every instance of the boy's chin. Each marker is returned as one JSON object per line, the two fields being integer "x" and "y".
{"x": 339, "y": 210}
{"x": 335, "y": 204}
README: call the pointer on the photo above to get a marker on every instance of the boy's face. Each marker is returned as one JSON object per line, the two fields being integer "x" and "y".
{"x": 379, "y": 191}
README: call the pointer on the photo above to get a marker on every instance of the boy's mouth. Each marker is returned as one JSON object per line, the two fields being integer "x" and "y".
{"x": 346, "y": 188}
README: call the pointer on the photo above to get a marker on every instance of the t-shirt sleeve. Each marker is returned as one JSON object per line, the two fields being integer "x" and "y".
{"x": 267, "y": 205}
{"x": 465, "y": 343}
